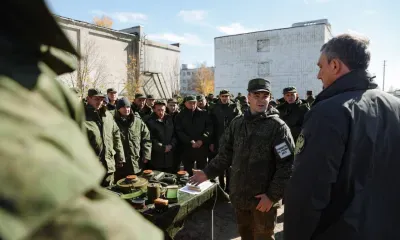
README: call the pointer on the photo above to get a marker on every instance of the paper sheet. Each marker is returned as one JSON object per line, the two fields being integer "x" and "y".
{"x": 203, "y": 186}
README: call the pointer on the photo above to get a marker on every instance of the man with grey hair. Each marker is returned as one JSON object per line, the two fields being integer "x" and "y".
{"x": 345, "y": 180}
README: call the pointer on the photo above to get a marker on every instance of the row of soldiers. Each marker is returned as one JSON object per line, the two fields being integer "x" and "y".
{"x": 129, "y": 137}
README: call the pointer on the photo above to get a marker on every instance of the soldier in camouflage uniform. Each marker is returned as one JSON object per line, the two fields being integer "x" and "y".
{"x": 293, "y": 110}
{"x": 222, "y": 113}
{"x": 103, "y": 135}
{"x": 259, "y": 147}
{"x": 135, "y": 138}
{"x": 49, "y": 173}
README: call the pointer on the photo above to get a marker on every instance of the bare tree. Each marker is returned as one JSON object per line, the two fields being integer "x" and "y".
{"x": 203, "y": 80}
{"x": 91, "y": 71}
{"x": 133, "y": 82}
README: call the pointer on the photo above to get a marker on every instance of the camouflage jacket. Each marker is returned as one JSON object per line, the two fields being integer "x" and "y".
{"x": 104, "y": 136}
{"x": 49, "y": 174}
{"x": 293, "y": 115}
{"x": 260, "y": 151}
{"x": 135, "y": 139}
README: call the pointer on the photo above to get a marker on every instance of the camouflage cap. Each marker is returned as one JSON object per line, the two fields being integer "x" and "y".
{"x": 190, "y": 98}
{"x": 200, "y": 97}
{"x": 111, "y": 90}
{"x": 150, "y": 96}
{"x": 309, "y": 92}
{"x": 140, "y": 96}
{"x": 94, "y": 92}
{"x": 259, "y": 85}
{"x": 160, "y": 102}
{"x": 123, "y": 102}
{"x": 210, "y": 94}
{"x": 224, "y": 92}
{"x": 289, "y": 90}
{"x": 172, "y": 100}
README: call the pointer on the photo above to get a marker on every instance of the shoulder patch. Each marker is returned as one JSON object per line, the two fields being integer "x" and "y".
{"x": 299, "y": 144}
{"x": 283, "y": 150}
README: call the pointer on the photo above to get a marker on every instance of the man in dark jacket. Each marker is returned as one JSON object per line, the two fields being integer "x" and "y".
{"x": 292, "y": 111}
{"x": 345, "y": 180}
{"x": 103, "y": 135}
{"x": 259, "y": 147}
{"x": 161, "y": 126}
{"x": 310, "y": 98}
{"x": 135, "y": 138}
{"x": 222, "y": 113}
{"x": 112, "y": 96}
{"x": 194, "y": 130}
{"x": 139, "y": 106}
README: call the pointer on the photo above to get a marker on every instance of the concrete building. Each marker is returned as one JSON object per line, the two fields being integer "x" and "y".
{"x": 286, "y": 57}
{"x": 187, "y": 79}
{"x": 107, "y": 54}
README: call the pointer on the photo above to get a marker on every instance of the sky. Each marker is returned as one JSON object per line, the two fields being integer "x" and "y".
{"x": 195, "y": 24}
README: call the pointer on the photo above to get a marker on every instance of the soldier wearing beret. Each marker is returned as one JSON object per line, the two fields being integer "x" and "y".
{"x": 259, "y": 147}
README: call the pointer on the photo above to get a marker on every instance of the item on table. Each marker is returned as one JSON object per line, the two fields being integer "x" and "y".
{"x": 153, "y": 191}
{"x": 172, "y": 193}
{"x": 131, "y": 178}
{"x": 182, "y": 174}
{"x": 138, "y": 203}
{"x": 161, "y": 205}
{"x": 148, "y": 173}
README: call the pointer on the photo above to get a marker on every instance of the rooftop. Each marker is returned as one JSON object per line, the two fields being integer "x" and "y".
{"x": 294, "y": 25}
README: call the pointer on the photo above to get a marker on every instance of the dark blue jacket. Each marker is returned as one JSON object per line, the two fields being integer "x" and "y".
{"x": 346, "y": 179}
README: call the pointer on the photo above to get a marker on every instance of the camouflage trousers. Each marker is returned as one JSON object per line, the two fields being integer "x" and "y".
{"x": 256, "y": 225}
{"x": 108, "y": 180}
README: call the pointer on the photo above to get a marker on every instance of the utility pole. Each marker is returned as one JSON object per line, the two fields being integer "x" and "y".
{"x": 384, "y": 69}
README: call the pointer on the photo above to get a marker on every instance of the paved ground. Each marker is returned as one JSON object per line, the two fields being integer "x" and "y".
{"x": 198, "y": 224}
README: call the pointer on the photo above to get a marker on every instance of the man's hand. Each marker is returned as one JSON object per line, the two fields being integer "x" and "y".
{"x": 199, "y": 143}
{"x": 194, "y": 145}
{"x": 145, "y": 160}
{"x": 212, "y": 147}
{"x": 198, "y": 177}
{"x": 168, "y": 148}
{"x": 265, "y": 203}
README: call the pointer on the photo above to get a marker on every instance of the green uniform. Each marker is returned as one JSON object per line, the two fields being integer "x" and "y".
{"x": 49, "y": 174}
{"x": 136, "y": 141}
{"x": 104, "y": 137}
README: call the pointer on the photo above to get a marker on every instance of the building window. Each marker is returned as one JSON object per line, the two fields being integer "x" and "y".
{"x": 263, "y": 69}
{"x": 263, "y": 45}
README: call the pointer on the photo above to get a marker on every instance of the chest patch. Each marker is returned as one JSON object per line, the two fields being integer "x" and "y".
{"x": 299, "y": 144}
{"x": 283, "y": 150}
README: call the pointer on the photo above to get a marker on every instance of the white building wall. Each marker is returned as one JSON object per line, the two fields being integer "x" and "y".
{"x": 110, "y": 51}
{"x": 286, "y": 57}
{"x": 165, "y": 60}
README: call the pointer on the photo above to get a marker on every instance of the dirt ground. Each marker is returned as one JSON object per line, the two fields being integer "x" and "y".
{"x": 198, "y": 224}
